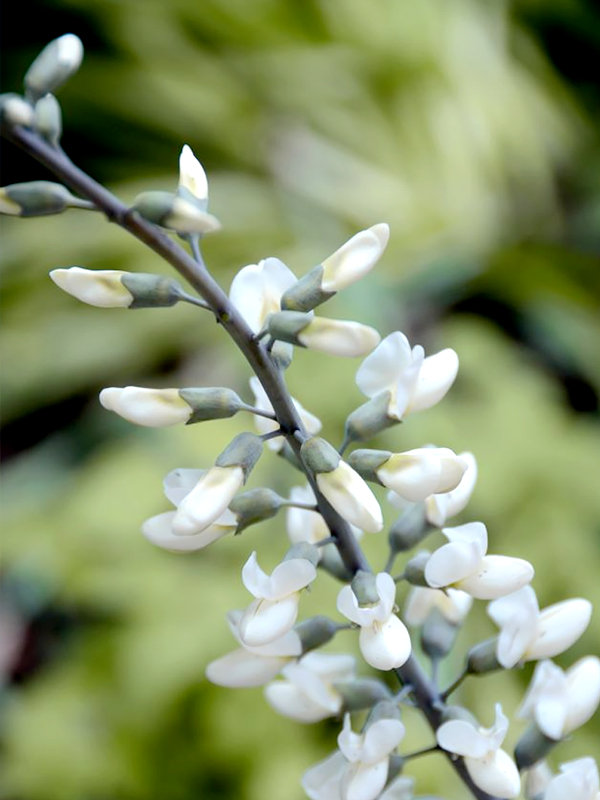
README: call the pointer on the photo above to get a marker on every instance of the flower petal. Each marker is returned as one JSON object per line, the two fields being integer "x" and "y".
{"x": 462, "y": 737}
{"x": 496, "y": 774}
{"x": 385, "y": 645}
{"x": 243, "y": 669}
{"x": 497, "y": 576}
{"x": 381, "y": 370}
{"x": 351, "y": 497}
{"x": 264, "y": 621}
{"x": 436, "y": 376}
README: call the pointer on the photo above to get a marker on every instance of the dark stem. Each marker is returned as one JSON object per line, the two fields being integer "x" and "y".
{"x": 195, "y": 272}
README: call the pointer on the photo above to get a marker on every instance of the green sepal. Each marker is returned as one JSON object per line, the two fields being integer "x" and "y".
{"x": 151, "y": 291}
{"x": 215, "y": 402}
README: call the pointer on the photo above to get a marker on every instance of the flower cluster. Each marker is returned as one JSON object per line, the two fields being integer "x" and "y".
{"x": 269, "y": 312}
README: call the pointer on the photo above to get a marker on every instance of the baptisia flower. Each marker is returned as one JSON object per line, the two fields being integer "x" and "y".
{"x": 335, "y": 337}
{"x": 528, "y": 635}
{"x": 441, "y": 506}
{"x": 413, "y": 475}
{"x": 490, "y": 768}
{"x": 384, "y": 640}
{"x": 108, "y": 288}
{"x": 257, "y": 289}
{"x": 275, "y": 608}
{"x": 411, "y": 381}
{"x": 359, "y": 770}
{"x": 578, "y": 780}
{"x": 193, "y": 184}
{"x": 463, "y": 564}
{"x": 253, "y": 666}
{"x": 559, "y": 702}
{"x": 304, "y": 525}
{"x": 264, "y": 425}
{"x": 308, "y": 693}
{"x": 342, "y": 486}
{"x": 452, "y": 604}
{"x": 159, "y": 530}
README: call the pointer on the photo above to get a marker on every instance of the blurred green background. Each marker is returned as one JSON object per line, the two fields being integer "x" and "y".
{"x": 472, "y": 129}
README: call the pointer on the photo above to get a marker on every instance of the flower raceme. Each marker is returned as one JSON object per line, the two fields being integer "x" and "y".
{"x": 528, "y": 635}
{"x": 384, "y": 640}
{"x": 463, "y": 564}
{"x": 490, "y": 767}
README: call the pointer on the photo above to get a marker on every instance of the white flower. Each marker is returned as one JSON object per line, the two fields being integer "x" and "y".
{"x": 416, "y": 474}
{"x": 308, "y": 693}
{"x": 97, "y": 287}
{"x": 256, "y": 290}
{"x": 536, "y": 779}
{"x": 384, "y": 640}
{"x": 275, "y": 608}
{"x": 192, "y": 177}
{"x": 559, "y": 702}
{"x": 354, "y": 259}
{"x": 159, "y": 529}
{"x": 578, "y": 781}
{"x": 304, "y": 525}
{"x": 253, "y": 666}
{"x": 414, "y": 382}
{"x": 338, "y": 337}
{"x": 264, "y": 425}
{"x": 463, "y": 564}
{"x": 528, "y": 635}
{"x": 490, "y": 768}
{"x": 207, "y": 500}
{"x": 453, "y": 605}
{"x": 155, "y": 408}
{"x": 359, "y": 770}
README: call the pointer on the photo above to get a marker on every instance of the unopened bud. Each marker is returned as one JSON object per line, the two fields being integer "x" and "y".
{"x": 409, "y": 529}
{"x": 15, "y": 110}
{"x": 482, "y": 657}
{"x": 244, "y": 451}
{"x": 307, "y": 293}
{"x": 38, "y": 199}
{"x": 254, "y": 506}
{"x": 331, "y": 562}
{"x": 303, "y": 550}
{"x": 216, "y": 402}
{"x": 532, "y": 747}
{"x": 370, "y": 419}
{"x": 367, "y": 462}
{"x": 48, "y": 119}
{"x": 365, "y": 589}
{"x": 333, "y": 336}
{"x": 173, "y": 212}
{"x": 193, "y": 185}
{"x": 414, "y": 571}
{"x": 315, "y": 632}
{"x": 116, "y": 289}
{"x": 55, "y": 64}
{"x": 362, "y": 693}
{"x": 320, "y": 456}
{"x": 437, "y": 635}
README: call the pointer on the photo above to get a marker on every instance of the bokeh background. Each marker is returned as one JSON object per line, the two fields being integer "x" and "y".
{"x": 471, "y": 127}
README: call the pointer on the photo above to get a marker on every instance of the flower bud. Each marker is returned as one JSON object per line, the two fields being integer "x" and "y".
{"x": 193, "y": 185}
{"x": 107, "y": 288}
{"x": 482, "y": 657}
{"x": 346, "y": 266}
{"x": 414, "y": 571}
{"x": 332, "y": 336}
{"x": 315, "y": 632}
{"x": 244, "y": 451}
{"x": 362, "y": 693}
{"x": 365, "y": 589}
{"x": 38, "y": 199}
{"x": 385, "y": 709}
{"x": 437, "y": 635}
{"x": 173, "y": 212}
{"x": 341, "y": 485}
{"x": 55, "y": 64}
{"x": 532, "y": 747}
{"x": 331, "y": 562}
{"x": 153, "y": 408}
{"x": 409, "y": 530}
{"x": 48, "y": 119}
{"x": 254, "y": 506}
{"x": 370, "y": 419}
{"x": 303, "y": 550}
{"x": 15, "y": 110}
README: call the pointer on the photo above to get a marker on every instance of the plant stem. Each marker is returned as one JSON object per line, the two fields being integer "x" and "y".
{"x": 193, "y": 269}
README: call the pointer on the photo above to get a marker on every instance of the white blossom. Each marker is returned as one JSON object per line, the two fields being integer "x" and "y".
{"x": 413, "y": 381}
{"x": 339, "y": 337}
{"x": 257, "y": 289}
{"x": 304, "y": 525}
{"x": 528, "y": 635}
{"x": 559, "y": 702}
{"x": 490, "y": 768}
{"x": 307, "y": 693}
{"x": 192, "y": 176}
{"x": 253, "y": 666}
{"x": 578, "y": 780}
{"x": 160, "y": 530}
{"x": 154, "y": 408}
{"x": 354, "y": 259}
{"x": 96, "y": 287}
{"x": 264, "y": 425}
{"x": 349, "y": 494}
{"x": 207, "y": 500}
{"x": 359, "y": 770}
{"x": 384, "y": 640}
{"x": 417, "y": 474}
{"x": 275, "y": 609}
{"x": 463, "y": 564}
{"x": 453, "y": 605}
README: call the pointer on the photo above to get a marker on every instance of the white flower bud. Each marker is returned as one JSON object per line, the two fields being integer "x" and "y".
{"x": 54, "y": 65}
{"x": 38, "y": 199}
{"x": 193, "y": 184}
{"x": 333, "y": 336}
{"x": 175, "y": 213}
{"x": 48, "y": 118}
{"x": 154, "y": 408}
{"x": 15, "y": 110}
{"x": 342, "y": 486}
{"x": 207, "y": 500}
{"x": 102, "y": 288}
{"x": 354, "y": 259}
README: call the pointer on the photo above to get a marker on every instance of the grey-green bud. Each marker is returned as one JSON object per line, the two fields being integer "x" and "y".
{"x": 170, "y": 211}
{"x": 55, "y": 64}
{"x": 437, "y": 635}
{"x": 362, "y": 693}
{"x": 215, "y": 402}
{"x": 38, "y": 199}
{"x": 414, "y": 571}
{"x": 48, "y": 119}
{"x": 315, "y": 632}
{"x": 532, "y": 747}
{"x": 409, "y": 529}
{"x": 319, "y": 456}
{"x": 482, "y": 659}
{"x": 255, "y": 506}
{"x": 331, "y": 562}
{"x": 151, "y": 291}
{"x": 287, "y": 325}
{"x": 303, "y": 550}
{"x": 367, "y": 462}
{"x": 365, "y": 589}
{"x": 385, "y": 709}
{"x": 306, "y": 294}
{"x": 370, "y": 419}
